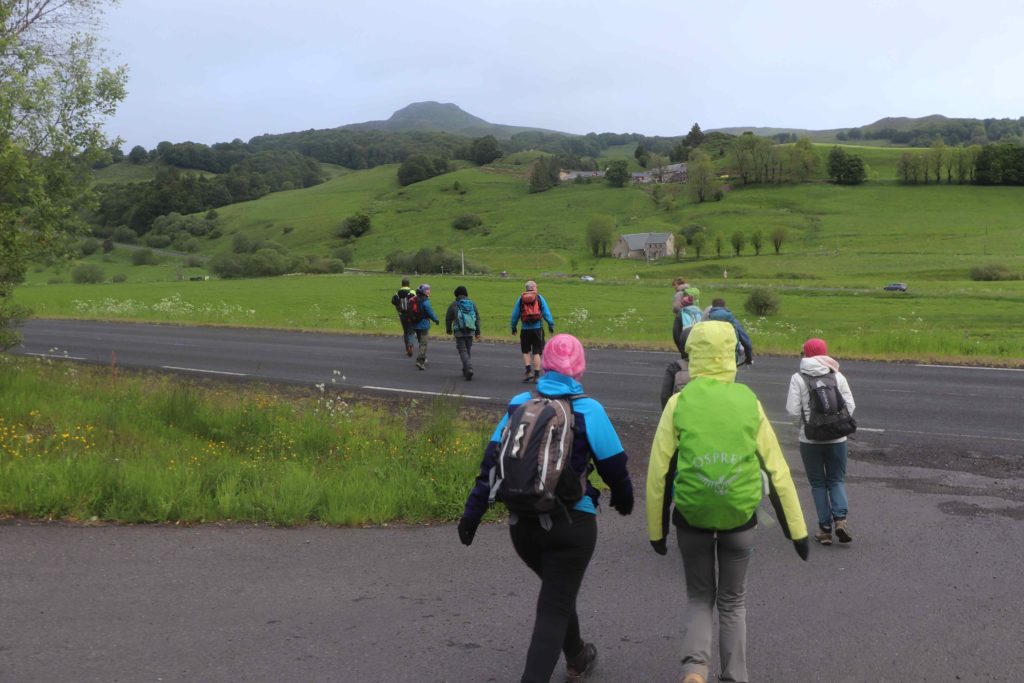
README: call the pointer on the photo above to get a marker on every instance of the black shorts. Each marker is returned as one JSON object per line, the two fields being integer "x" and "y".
{"x": 532, "y": 341}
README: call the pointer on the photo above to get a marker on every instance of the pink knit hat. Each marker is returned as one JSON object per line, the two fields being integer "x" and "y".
{"x": 815, "y": 347}
{"x": 564, "y": 354}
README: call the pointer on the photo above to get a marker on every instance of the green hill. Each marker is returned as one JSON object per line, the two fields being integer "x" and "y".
{"x": 446, "y": 118}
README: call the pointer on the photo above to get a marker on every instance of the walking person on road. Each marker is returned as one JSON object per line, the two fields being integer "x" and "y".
{"x": 463, "y": 321}
{"x": 400, "y": 301}
{"x": 531, "y": 310}
{"x": 558, "y": 547}
{"x": 824, "y": 461}
{"x": 711, "y": 445}
{"x": 682, "y": 289}
{"x": 744, "y": 349}
{"x": 423, "y": 326}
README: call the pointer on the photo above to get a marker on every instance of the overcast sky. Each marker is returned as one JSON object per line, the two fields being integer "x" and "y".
{"x": 214, "y": 70}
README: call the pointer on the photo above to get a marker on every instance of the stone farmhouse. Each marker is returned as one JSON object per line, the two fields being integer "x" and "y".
{"x": 672, "y": 173}
{"x": 645, "y": 245}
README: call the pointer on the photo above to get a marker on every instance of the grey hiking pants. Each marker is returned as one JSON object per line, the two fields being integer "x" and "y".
{"x": 707, "y": 588}
{"x": 464, "y": 343}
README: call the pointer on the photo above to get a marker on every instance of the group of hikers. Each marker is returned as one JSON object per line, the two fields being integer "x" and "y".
{"x": 713, "y": 457}
{"x": 462, "y": 321}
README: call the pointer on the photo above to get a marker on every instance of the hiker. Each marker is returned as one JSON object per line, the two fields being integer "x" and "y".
{"x": 744, "y": 349}
{"x": 400, "y": 301}
{"x": 558, "y": 547}
{"x": 824, "y": 460}
{"x": 463, "y": 320}
{"x": 423, "y": 326}
{"x": 711, "y": 444}
{"x": 682, "y": 289}
{"x": 532, "y": 311}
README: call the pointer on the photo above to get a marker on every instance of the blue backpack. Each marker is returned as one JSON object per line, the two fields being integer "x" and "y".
{"x": 465, "y": 316}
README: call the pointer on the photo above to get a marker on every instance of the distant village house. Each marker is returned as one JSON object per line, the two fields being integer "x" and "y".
{"x": 647, "y": 246}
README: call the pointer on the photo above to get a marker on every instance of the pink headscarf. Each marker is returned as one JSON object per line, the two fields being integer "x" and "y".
{"x": 564, "y": 354}
{"x": 815, "y": 347}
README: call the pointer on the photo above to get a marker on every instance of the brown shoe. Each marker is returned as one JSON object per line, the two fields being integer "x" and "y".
{"x": 408, "y": 350}
{"x": 579, "y": 667}
{"x": 823, "y": 536}
{"x": 843, "y": 531}
{"x": 694, "y": 678}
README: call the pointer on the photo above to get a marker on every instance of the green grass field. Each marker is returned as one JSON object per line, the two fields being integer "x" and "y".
{"x": 843, "y": 245}
{"x": 83, "y": 443}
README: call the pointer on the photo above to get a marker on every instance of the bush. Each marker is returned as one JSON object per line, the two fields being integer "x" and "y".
{"x": 344, "y": 254}
{"x": 317, "y": 265}
{"x": 125, "y": 235}
{"x": 87, "y": 274}
{"x": 467, "y": 221}
{"x": 120, "y": 277}
{"x": 192, "y": 262}
{"x": 89, "y": 246}
{"x": 263, "y": 263}
{"x": 992, "y": 272}
{"x": 55, "y": 281}
{"x": 356, "y": 225}
{"x": 108, "y": 245}
{"x": 427, "y": 260}
{"x": 156, "y": 241}
{"x": 144, "y": 257}
{"x": 762, "y": 302}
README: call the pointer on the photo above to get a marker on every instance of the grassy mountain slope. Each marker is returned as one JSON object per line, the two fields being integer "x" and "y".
{"x": 443, "y": 117}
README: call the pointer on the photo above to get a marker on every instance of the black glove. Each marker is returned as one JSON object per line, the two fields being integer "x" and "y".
{"x": 551, "y": 329}
{"x": 803, "y": 548}
{"x": 513, "y": 330}
{"x": 660, "y": 547}
{"x": 623, "y": 502}
{"x": 467, "y": 530}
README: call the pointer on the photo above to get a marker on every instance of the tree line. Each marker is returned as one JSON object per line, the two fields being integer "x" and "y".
{"x": 953, "y": 131}
{"x": 136, "y": 205}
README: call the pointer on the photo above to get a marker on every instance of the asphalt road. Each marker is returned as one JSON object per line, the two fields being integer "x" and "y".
{"x": 929, "y": 590}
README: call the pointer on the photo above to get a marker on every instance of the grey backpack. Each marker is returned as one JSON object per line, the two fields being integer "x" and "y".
{"x": 533, "y": 475}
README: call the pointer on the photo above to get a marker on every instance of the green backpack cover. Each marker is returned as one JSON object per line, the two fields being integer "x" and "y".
{"x": 718, "y": 472}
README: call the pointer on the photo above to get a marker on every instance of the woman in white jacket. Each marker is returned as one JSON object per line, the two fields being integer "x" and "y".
{"x": 824, "y": 461}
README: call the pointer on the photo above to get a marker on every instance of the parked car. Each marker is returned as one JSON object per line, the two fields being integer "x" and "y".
{"x": 895, "y": 287}
{"x": 587, "y": 278}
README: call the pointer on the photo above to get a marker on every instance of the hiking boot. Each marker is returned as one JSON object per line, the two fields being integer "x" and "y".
{"x": 408, "y": 350}
{"x": 694, "y": 678}
{"x": 528, "y": 377}
{"x": 823, "y": 536}
{"x": 536, "y": 375}
{"x": 421, "y": 365}
{"x": 469, "y": 375}
{"x": 579, "y": 667}
{"x": 843, "y": 532}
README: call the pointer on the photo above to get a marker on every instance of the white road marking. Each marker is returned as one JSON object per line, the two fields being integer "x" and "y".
{"x": 55, "y": 355}
{"x": 211, "y": 372}
{"x": 968, "y": 367}
{"x": 428, "y": 393}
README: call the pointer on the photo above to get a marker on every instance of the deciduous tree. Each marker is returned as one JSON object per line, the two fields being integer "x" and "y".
{"x": 599, "y": 234}
{"x": 55, "y": 94}
{"x": 617, "y": 173}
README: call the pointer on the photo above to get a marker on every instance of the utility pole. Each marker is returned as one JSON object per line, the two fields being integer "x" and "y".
{"x": 463, "y": 261}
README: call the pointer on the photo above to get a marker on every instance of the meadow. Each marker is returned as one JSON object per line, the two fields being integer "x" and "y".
{"x": 96, "y": 444}
{"x": 842, "y": 245}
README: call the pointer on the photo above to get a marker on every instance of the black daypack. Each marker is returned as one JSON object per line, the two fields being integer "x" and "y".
{"x": 408, "y": 305}
{"x": 828, "y": 418}
{"x": 533, "y": 475}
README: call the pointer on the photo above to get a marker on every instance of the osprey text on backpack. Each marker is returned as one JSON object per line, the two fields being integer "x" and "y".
{"x": 529, "y": 307}
{"x": 533, "y": 475}
{"x": 829, "y": 418}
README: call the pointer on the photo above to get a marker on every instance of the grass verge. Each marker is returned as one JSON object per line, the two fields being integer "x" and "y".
{"x": 83, "y": 443}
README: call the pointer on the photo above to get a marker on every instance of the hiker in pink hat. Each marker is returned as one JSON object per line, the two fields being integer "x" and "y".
{"x": 821, "y": 403}
{"x": 556, "y": 544}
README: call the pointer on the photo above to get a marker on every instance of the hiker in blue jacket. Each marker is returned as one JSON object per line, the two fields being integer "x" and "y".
{"x": 560, "y": 553}
{"x": 463, "y": 321}
{"x": 533, "y": 316}
{"x": 745, "y": 350}
{"x": 423, "y": 326}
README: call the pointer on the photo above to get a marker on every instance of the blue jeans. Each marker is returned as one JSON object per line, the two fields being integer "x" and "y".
{"x": 825, "y": 464}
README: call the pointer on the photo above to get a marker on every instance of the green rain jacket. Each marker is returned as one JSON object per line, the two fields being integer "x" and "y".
{"x": 719, "y": 424}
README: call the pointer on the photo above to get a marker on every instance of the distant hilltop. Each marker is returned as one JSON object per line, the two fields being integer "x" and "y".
{"x": 444, "y": 117}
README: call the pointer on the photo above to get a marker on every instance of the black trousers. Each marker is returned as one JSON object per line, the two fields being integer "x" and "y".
{"x": 559, "y": 557}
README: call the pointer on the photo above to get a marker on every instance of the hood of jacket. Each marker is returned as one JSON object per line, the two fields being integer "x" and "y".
{"x": 816, "y": 366}
{"x": 712, "y": 350}
{"x": 554, "y": 383}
